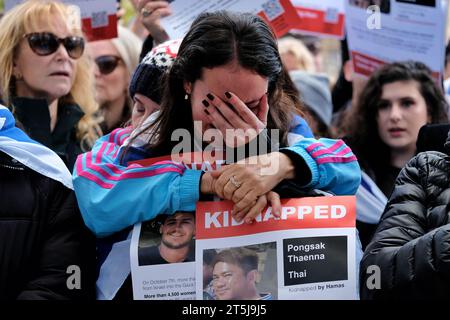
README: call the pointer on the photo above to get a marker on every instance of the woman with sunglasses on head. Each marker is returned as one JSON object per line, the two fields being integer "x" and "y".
{"x": 46, "y": 78}
{"x": 115, "y": 61}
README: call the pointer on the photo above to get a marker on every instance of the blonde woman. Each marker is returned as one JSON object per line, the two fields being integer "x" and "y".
{"x": 295, "y": 55}
{"x": 115, "y": 61}
{"x": 46, "y": 79}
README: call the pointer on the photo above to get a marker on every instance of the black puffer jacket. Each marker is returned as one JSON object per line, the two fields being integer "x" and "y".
{"x": 411, "y": 245}
{"x": 41, "y": 235}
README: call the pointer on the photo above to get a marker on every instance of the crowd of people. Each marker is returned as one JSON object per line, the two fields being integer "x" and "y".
{"x": 78, "y": 114}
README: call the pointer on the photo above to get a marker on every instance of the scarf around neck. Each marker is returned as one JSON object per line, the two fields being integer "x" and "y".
{"x": 15, "y": 143}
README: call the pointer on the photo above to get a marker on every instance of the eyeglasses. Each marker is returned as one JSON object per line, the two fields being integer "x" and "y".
{"x": 107, "y": 64}
{"x": 46, "y": 43}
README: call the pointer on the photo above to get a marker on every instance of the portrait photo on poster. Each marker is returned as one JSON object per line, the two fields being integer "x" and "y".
{"x": 167, "y": 239}
{"x": 241, "y": 273}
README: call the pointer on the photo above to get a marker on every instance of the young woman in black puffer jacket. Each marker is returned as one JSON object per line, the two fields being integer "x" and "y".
{"x": 411, "y": 245}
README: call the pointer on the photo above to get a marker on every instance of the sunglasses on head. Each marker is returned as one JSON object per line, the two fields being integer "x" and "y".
{"x": 107, "y": 64}
{"x": 46, "y": 43}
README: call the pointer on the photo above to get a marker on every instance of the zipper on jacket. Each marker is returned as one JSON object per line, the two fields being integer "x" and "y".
{"x": 11, "y": 167}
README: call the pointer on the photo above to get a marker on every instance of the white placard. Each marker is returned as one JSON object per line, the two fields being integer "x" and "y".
{"x": 396, "y": 31}
{"x": 185, "y": 11}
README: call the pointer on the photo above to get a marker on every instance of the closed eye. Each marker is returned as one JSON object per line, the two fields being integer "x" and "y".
{"x": 383, "y": 104}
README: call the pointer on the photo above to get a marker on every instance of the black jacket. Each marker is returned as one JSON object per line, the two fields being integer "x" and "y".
{"x": 33, "y": 117}
{"x": 41, "y": 235}
{"x": 411, "y": 245}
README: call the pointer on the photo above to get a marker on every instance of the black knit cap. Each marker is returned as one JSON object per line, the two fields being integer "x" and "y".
{"x": 147, "y": 77}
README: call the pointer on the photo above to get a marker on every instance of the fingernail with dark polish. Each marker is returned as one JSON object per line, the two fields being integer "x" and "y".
{"x": 206, "y": 111}
{"x": 210, "y": 96}
{"x": 205, "y": 103}
{"x": 228, "y": 95}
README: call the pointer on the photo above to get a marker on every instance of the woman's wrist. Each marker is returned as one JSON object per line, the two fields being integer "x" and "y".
{"x": 159, "y": 36}
{"x": 206, "y": 183}
{"x": 286, "y": 167}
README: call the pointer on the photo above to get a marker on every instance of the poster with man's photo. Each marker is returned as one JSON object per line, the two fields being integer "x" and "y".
{"x": 162, "y": 258}
{"x": 306, "y": 253}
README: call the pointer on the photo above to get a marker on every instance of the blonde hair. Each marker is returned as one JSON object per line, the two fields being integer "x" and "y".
{"x": 304, "y": 58}
{"x": 26, "y": 18}
{"x": 129, "y": 47}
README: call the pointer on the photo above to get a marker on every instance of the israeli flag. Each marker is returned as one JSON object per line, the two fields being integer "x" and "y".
{"x": 15, "y": 143}
{"x": 370, "y": 201}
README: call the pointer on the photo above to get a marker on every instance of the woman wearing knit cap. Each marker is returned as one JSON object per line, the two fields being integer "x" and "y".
{"x": 146, "y": 84}
{"x": 145, "y": 90}
{"x": 115, "y": 60}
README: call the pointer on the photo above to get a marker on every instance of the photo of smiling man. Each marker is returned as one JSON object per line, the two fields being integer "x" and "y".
{"x": 177, "y": 245}
{"x": 237, "y": 274}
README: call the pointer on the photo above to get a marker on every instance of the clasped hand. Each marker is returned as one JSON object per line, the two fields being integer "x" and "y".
{"x": 249, "y": 184}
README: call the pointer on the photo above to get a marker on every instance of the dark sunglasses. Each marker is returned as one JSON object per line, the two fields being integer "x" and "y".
{"x": 107, "y": 64}
{"x": 46, "y": 43}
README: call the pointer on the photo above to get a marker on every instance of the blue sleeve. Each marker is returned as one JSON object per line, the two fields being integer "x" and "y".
{"x": 301, "y": 127}
{"x": 333, "y": 166}
{"x": 112, "y": 197}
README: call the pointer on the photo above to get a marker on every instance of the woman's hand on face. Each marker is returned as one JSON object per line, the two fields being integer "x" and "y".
{"x": 232, "y": 114}
{"x": 151, "y": 12}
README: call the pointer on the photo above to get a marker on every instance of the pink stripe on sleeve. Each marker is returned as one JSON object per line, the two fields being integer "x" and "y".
{"x": 336, "y": 160}
{"x": 90, "y": 176}
{"x": 122, "y": 135}
{"x": 328, "y": 151}
{"x": 98, "y": 158}
{"x": 124, "y": 175}
{"x": 313, "y": 146}
{"x": 110, "y": 148}
{"x": 336, "y": 146}
{"x": 112, "y": 135}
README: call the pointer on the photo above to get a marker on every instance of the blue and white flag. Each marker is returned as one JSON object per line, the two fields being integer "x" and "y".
{"x": 15, "y": 143}
{"x": 370, "y": 201}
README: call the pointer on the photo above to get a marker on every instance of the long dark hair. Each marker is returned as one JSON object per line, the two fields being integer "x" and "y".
{"x": 362, "y": 122}
{"x": 216, "y": 39}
